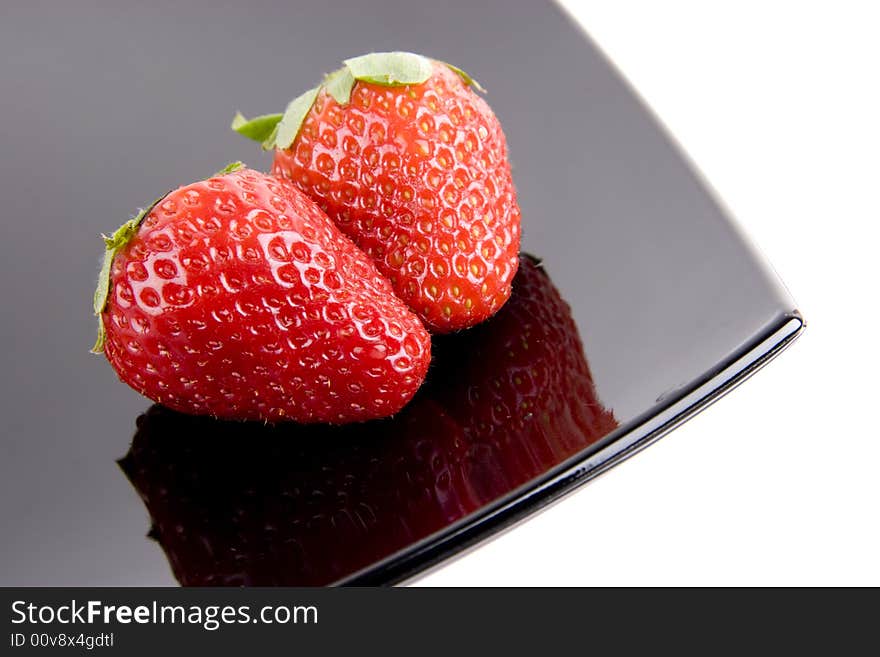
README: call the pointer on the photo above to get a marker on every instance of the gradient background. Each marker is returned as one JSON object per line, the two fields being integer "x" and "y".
{"x": 107, "y": 104}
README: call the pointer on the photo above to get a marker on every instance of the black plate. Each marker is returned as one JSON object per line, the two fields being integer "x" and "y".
{"x": 105, "y": 108}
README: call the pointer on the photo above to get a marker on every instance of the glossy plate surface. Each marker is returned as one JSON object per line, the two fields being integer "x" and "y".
{"x": 647, "y": 303}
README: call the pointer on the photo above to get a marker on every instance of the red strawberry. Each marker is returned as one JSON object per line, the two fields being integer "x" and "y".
{"x": 237, "y": 297}
{"x": 242, "y": 503}
{"x": 412, "y": 165}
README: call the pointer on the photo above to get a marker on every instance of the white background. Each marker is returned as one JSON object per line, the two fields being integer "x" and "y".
{"x": 778, "y": 104}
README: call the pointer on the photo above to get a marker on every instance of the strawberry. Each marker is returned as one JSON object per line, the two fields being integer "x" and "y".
{"x": 247, "y": 504}
{"x": 237, "y": 297}
{"x": 412, "y": 165}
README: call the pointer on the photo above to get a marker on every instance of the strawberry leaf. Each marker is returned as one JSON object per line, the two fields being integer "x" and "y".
{"x": 232, "y": 167}
{"x": 392, "y": 69}
{"x": 113, "y": 244}
{"x": 339, "y": 85}
{"x": 464, "y": 76}
{"x": 291, "y": 122}
{"x": 259, "y": 128}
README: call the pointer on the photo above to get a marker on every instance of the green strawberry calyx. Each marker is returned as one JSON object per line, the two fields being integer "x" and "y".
{"x": 113, "y": 244}
{"x": 390, "y": 69}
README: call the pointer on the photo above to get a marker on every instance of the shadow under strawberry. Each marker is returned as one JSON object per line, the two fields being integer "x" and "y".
{"x": 250, "y": 504}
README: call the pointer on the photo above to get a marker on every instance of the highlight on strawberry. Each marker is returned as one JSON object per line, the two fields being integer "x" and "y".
{"x": 237, "y": 297}
{"x": 412, "y": 165}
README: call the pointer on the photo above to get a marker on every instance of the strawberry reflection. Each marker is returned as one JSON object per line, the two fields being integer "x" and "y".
{"x": 251, "y": 504}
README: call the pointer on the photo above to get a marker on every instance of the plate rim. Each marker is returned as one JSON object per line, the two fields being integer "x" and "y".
{"x": 669, "y": 412}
